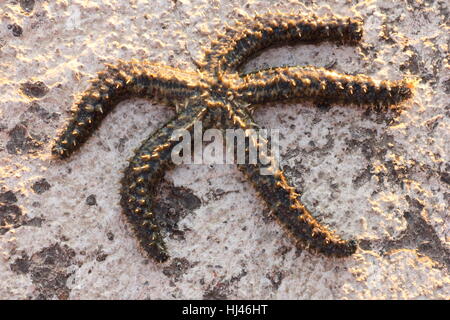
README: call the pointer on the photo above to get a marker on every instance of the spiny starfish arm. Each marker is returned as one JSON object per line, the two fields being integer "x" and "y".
{"x": 284, "y": 202}
{"x": 120, "y": 82}
{"x": 250, "y": 35}
{"x": 321, "y": 85}
{"x": 145, "y": 171}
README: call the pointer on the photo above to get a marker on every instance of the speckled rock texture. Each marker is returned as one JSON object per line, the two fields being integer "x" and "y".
{"x": 380, "y": 178}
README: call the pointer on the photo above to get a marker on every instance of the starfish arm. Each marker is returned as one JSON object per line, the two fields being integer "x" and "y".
{"x": 254, "y": 34}
{"x": 117, "y": 83}
{"x": 284, "y": 202}
{"x": 321, "y": 85}
{"x": 145, "y": 171}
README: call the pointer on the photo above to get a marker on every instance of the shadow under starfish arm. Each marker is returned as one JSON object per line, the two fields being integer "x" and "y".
{"x": 117, "y": 83}
{"x": 285, "y": 205}
{"x": 144, "y": 173}
{"x": 254, "y": 34}
{"x": 321, "y": 85}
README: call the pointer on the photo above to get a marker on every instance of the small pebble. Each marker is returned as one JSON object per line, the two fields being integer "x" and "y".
{"x": 91, "y": 200}
{"x": 27, "y": 5}
{"x": 16, "y": 29}
{"x": 36, "y": 89}
{"x": 40, "y": 186}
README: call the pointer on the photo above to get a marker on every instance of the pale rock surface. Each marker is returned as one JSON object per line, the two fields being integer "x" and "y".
{"x": 380, "y": 178}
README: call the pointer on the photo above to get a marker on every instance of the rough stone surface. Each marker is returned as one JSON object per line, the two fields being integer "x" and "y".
{"x": 380, "y": 178}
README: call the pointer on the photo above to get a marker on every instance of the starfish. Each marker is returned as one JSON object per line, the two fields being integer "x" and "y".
{"x": 220, "y": 96}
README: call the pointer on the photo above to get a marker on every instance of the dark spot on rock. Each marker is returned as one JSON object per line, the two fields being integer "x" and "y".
{"x": 36, "y": 89}
{"x": 445, "y": 177}
{"x": 42, "y": 113}
{"x": 91, "y": 200}
{"x": 281, "y": 251}
{"x": 291, "y": 153}
{"x": 177, "y": 268}
{"x": 323, "y": 150}
{"x": 21, "y": 141}
{"x": 275, "y": 277}
{"x": 376, "y": 148}
{"x": 8, "y": 197}
{"x": 220, "y": 290}
{"x": 362, "y": 177}
{"x": 217, "y": 194}
{"x": 412, "y": 64}
{"x": 110, "y": 236}
{"x": 16, "y": 29}
{"x": 334, "y": 186}
{"x": 121, "y": 144}
{"x": 173, "y": 204}
{"x": 447, "y": 197}
{"x": 21, "y": 265}
{"x": 365, "y": 244}
{"x": 415, "y": 204}
{"x": 239, "y": 276}
{"x": 418, "y": 235}
{"x": 101, "y": 256}
{"x": 48, "y": 271}
{"x": 217, "y": 292}
{"x": 447, "y": 86}
{"x": 27, "y": 5}
{"x": 10, "y": 217}
{"x": 432, "y": 123}
{"x": 34, "y": 222}
{"x": 41, "y": 186}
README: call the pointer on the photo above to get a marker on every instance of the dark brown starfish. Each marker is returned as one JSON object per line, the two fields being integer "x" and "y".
{"x": 218, "y": 96}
